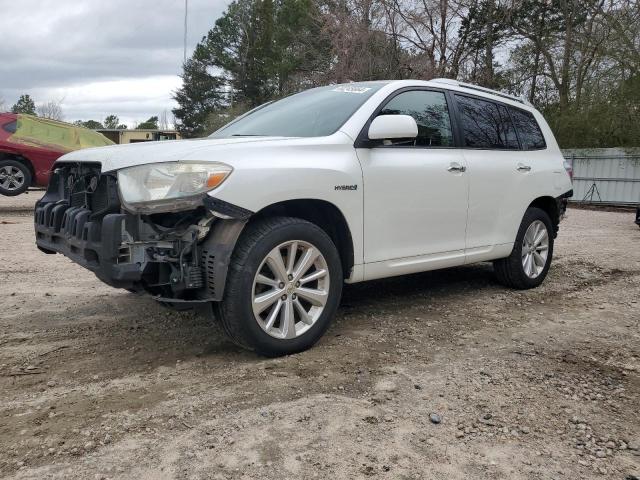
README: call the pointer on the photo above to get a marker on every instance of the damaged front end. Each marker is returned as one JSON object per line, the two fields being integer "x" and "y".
{"x": 178, "y": 257}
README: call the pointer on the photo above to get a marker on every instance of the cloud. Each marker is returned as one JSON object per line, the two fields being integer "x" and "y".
{"x": 119, "y": 56}
{"x": 132, "y": 99}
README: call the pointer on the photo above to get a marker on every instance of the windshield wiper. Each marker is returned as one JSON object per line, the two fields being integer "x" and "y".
{"x": 246, "y": 135}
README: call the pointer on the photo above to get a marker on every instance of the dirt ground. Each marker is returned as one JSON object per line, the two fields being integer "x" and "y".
{"x": 541, "y": 384}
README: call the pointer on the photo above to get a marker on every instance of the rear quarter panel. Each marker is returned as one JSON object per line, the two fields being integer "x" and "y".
{"x": 547, "y": 178}
{"x": 40, "y": 158}
{"x": 42, "y": 161}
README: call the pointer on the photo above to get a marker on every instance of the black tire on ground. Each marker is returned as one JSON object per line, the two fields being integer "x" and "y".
{"x": 10, "y": 189}
{"x": 510, "y": 271}
{"x": 235, "y": 310}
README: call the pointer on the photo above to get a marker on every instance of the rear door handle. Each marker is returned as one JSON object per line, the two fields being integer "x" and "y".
{"x": 455, "y": 167}
{"x": 523, "y": 168}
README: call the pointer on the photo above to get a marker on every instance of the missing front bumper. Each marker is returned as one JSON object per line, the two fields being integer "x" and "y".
{"x": 93, "y": 244}
{"x": 180, "y": 257}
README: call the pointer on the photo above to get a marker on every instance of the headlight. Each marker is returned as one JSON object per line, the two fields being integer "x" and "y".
{"x": 170, "y": 186}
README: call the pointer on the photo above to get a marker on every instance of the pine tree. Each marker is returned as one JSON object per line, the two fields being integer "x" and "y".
{"x": 254, "y": 84}
{"x": 25, "y": 104}
{"x": 201, "y": 94}
{"x": 258, "y": 50}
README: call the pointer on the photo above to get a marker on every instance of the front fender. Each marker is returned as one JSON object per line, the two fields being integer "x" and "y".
{"x": 330, "y": 173}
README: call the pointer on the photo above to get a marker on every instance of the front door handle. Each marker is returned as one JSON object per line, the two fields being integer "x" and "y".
{"x": 523, "y": 168}
{"x": 455, "y": 167}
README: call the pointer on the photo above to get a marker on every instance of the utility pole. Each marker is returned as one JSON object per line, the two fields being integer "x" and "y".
{"x": 186, "y": 10}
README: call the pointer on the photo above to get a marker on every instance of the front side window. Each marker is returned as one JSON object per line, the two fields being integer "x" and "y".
{"x": 486, "y": 124}
{"x": 313, "y": 113}
{"x": 430, "y": 111}
{"x": 529, "y": 131}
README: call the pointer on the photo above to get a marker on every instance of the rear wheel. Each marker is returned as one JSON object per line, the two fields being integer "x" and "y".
{"x": 15, "y": 177}
{"x": 283, "y": 287}
{"x": 529, "y": 262}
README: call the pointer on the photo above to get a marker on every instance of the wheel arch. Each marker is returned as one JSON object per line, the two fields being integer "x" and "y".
{"x": 325, "y": 215}
{"x": 550, "y": 206}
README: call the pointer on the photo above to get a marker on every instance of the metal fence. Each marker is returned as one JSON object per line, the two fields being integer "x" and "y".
{"x": 605, "y": 175}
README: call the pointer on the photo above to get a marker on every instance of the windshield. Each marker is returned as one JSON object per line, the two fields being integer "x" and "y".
{"x": 312, "y": 113}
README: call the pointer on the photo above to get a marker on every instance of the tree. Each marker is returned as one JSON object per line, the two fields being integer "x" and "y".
{"x": 200, "y": 95}
{"x": 577, "y": 60}
{"x": 624, "y": 45}
{"x": 24, "y": 105}
{"x": 566, "y": 40}
{"x": 51, "y": 109}
{"x": 93, "y": 124}
{"x": 113, "y": 122}
{"x": 484, "y": 29}
{"x": 203, "y": 91}
{"x": 240, "y": 45}
{"x": 220, "y": 118}
{"x": 612, "y": 122}
{"x": 254, "y": 77}
{"x": 302, "y": 48}
{"x": 429, "y": 30}
{"x": 151, "y": 123}
{"x": 90, "y": 124}
{"x": 362, "y": 46}
{"x": 258, "y": 50}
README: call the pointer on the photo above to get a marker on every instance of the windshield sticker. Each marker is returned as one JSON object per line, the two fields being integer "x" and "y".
{"x": 351, "y": 89}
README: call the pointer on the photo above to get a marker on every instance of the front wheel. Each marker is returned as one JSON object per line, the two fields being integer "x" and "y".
{"x": 283, "y": 287}
{"x": 529, "y": 262}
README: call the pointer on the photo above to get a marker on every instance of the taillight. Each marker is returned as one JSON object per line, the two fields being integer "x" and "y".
{"x": 569, "y": 168}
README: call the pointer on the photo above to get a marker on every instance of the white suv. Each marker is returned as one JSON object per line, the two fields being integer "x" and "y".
{"x": 269, "y": 216}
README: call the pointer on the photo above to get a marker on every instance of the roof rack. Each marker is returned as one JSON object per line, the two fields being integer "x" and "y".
{"x": 469, "y": 86}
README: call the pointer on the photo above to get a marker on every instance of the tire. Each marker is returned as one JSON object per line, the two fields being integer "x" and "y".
{"x": 272, "y": 237}
{"x": 15, "y": 178}
{"x": 511, "y": 271}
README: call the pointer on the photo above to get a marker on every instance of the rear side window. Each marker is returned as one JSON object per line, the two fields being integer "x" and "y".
{"x": 486, "y": 124}
{"x": 10, "y": 127}
{"x": 529, "y": 131}
{"x": 429, "y": 110}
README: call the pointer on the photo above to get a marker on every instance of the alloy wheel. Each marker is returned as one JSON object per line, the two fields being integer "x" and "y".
{"x": 11, "y": 178}
{"x": 535, "y": 249}
{"x": 290, "y": 289}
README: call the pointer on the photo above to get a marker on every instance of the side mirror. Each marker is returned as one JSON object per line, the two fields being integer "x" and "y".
{"x": 393, "y": 126}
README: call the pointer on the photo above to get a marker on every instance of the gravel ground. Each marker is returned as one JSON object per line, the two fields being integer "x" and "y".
{"x": 20, "y": 203}
{"x": 443, "y": 375}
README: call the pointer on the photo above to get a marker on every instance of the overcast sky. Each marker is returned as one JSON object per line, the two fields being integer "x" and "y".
{"x": 99, "y": 56}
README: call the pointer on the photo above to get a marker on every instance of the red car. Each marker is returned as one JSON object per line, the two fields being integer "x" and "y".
{"x": 30, "y": 145}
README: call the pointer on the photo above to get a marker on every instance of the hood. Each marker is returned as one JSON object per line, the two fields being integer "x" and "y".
{"x": 120, "y": 156}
